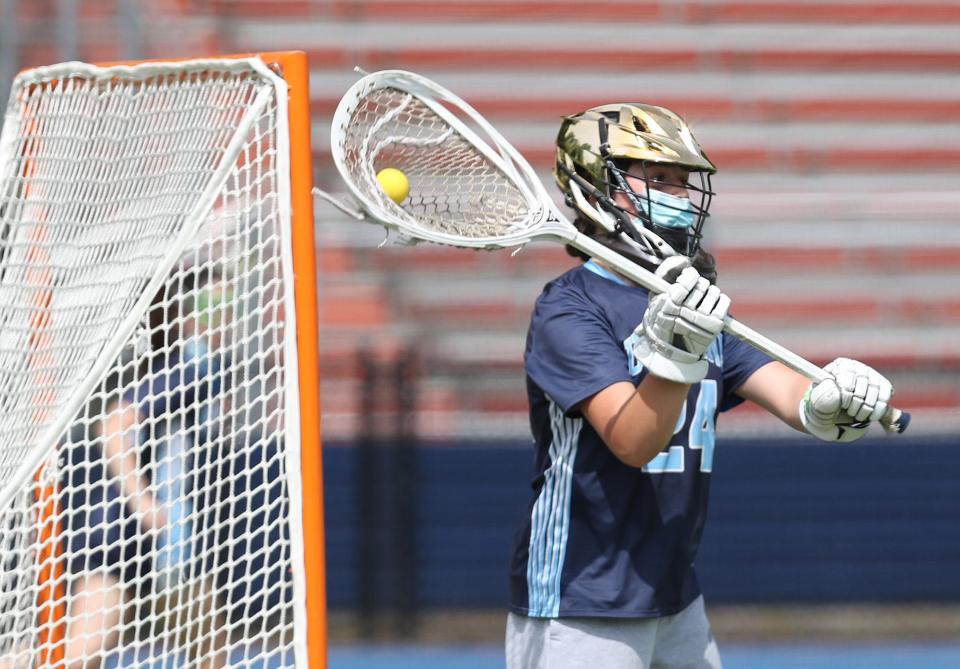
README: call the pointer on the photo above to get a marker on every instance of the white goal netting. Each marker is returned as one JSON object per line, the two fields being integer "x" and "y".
{"x": 148, "y": 479}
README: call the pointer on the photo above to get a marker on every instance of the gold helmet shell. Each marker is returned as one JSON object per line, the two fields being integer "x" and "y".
{"x": 634, "y": 131}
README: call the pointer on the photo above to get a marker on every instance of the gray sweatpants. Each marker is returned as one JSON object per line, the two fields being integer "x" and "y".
{"x": 680, "y": 641}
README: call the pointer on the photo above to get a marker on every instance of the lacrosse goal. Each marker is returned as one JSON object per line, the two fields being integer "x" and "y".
{"x": 160, "y": 484}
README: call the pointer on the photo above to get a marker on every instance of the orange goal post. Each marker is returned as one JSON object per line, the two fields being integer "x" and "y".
{"x": 160, "y": 472}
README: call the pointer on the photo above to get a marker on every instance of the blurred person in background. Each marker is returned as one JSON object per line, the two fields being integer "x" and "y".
{"x": 131, "y": 535}
{"x": 175, "y": 498}
{"x": 624, "y": 390}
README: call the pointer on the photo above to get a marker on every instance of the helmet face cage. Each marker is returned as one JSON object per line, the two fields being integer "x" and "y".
{"x": 685, "y": 241}
{"x": 595, "y": 150}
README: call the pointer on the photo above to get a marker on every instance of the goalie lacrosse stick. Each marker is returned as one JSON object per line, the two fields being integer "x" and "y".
{"x": 470, "y": 188}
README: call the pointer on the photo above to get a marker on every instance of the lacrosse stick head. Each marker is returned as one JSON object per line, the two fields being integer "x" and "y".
{"x": 468, "y": 186}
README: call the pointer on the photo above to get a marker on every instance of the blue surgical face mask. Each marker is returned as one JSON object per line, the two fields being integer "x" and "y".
{"x": 669, "y": 211}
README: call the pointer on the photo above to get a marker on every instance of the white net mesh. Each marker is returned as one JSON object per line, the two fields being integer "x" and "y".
{"x": 454, "y": 188}
{"x": 141, "y": 357}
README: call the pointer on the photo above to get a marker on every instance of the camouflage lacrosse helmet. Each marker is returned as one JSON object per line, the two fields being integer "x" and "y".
{"x": 594, "y": 149}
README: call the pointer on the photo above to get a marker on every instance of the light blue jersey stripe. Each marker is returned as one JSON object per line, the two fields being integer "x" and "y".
{"x": 550, "y": 521}
{"x": 604, "y": 272}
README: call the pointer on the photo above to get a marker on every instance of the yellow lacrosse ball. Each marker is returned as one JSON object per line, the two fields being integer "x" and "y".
{"x": 394, "y": 183}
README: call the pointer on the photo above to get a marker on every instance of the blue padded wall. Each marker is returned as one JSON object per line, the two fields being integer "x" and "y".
{"x": 789, "y": 522}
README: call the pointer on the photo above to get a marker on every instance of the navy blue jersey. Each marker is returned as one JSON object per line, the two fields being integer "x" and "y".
{"x": 99, "y": 517}
{"x": 187, "y": 384}
{"x": 603, "y": 538}
{"x": 238, "y": 520}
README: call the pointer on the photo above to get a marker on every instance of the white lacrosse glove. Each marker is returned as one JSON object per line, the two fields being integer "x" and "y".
{"x": 679, "y": 326}
{"x": 842, "y": 407}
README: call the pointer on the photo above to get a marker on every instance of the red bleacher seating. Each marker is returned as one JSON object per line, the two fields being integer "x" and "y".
{"x": 169, "y": 29}
{"x": 833, "y": 122}
{"x": 790, "y": 102}
{"x": 691, "y": 11}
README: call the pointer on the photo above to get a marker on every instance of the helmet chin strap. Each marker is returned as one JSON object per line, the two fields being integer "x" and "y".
{"x": 663, "y": 248}
{"x": 650, "y": 250}
{"x": 616, "y": 240}
{"x": 643, "y": 246}
{"x": 654, "y": 249}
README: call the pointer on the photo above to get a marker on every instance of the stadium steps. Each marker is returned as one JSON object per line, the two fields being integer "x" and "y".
{"x": 787, "y": 285}
{"x": 691, "y": 11}
{"x": 833, "y": 123}
{"x": 169, "y": 29}
{"x": 467, "y": 313}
